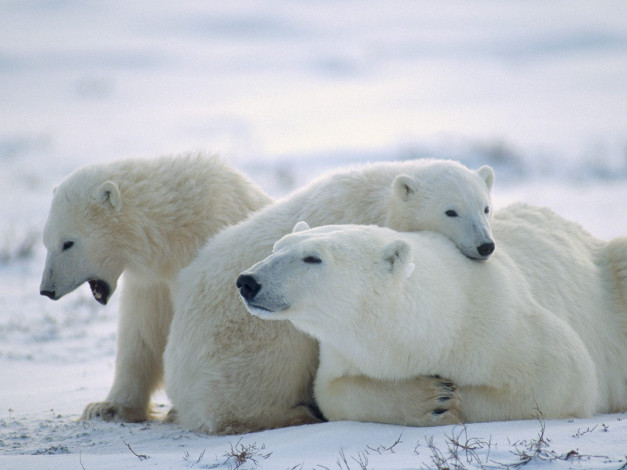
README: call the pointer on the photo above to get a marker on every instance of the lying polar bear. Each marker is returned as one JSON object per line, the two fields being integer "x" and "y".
{"x": 542, "y": 325}
{"x": 227, "y": 372}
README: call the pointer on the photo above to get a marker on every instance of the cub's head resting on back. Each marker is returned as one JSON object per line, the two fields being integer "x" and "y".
{"x": 448, "y": 199}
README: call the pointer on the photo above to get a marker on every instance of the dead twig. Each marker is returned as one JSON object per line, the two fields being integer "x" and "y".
{"x": 141, "y": 457}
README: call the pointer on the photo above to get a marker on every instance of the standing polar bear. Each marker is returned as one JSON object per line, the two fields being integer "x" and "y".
{"x": 146, "y": 219}
{"x": 227, "y": 372}
{"x": 542, "y": 325}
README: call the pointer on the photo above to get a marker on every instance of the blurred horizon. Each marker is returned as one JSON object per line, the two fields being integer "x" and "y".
{"x": 535, "y": 88}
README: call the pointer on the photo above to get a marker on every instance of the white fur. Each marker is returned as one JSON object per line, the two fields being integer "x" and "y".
{"x": 226, "y": 371}
{"x": 146, "y": 219}
{"x": 542, "y": 325}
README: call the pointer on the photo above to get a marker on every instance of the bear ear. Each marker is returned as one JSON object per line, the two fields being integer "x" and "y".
{"x": 54, "y": 189}
{"x": 487, "y": 174}
{"x": 108, "y": 194}
{"x": 404, "y": 187}
{"x": 397, "y": 255}
{"x": 300, "y": 227}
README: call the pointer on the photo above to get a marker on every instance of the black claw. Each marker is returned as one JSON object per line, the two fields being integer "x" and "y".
{"x": 444, "y": 398}
{"x": 450, "y": 386}
{"x": 439, "y": 411}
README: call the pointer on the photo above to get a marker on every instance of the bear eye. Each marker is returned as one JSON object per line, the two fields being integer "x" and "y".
{"x": 312, "y": 260}
{"x": 487, "y": 210}
{"x": 451, "y": 213}
{"x": 68, "y": 245}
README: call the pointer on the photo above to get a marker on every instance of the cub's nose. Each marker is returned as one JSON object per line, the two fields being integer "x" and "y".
{"x": 486, "y": 249}
{"x": 248, "y": 286}
{"x": 48, "y": 293}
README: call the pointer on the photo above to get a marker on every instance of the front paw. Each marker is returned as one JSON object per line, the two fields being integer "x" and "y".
{"x": 110, "y": 411}
{"x": 445, "y": 403}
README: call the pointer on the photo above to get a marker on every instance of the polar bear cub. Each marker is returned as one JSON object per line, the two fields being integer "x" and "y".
{"x": 541, "y": 325}
{"x": 227, "y": 372}
{"x": 145, "y": 218}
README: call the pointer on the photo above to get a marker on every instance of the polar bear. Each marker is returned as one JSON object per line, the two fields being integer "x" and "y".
{"x": 146, "y": 219}
{"x": 227, "y": 372}
{"x": 541, "y": 326}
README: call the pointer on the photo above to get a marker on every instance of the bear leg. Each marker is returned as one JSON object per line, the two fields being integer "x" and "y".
{"x": 421, "y": 401}
{"x": 145, "y": 316}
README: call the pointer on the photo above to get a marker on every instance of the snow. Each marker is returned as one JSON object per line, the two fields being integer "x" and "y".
{"x": 284, "y": 91}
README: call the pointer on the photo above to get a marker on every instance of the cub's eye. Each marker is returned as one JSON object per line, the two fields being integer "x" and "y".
{"x": 451, "y": 213}
{"x": 487, "y": 210}
{"x": 312, "y": 260}
{"x": 67, "y": 245}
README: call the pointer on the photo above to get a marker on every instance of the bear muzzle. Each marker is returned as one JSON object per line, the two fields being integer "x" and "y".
{"x": 248, "y": 286}
{"x": 259, "y": 302}
{"x": 486, "y": 249}
{"x": 48, "y": 293}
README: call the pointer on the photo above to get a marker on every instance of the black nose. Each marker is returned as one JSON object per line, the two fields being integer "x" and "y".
{"x": 486, "y": 249}
{"x": 248, "y": 286}
{"x": 48, "y": 293}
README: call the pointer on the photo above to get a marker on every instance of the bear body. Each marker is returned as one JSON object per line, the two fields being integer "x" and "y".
{"x": 541, "y": 326}
{"x": 146, "y": 219}
{"x": 227, "y": 372}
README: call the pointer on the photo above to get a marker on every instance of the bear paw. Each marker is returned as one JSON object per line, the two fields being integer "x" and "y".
{"x": 110, "y": 411}
{"x": 445, "y": 403}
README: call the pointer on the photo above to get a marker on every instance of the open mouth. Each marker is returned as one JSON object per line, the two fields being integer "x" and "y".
{"x": 100, "y": 290}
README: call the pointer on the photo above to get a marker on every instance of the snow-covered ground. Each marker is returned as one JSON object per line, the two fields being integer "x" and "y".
{"x": 285, "y": 90}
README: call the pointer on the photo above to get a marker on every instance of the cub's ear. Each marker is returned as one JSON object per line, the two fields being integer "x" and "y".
{"x": 300, "y": 227}
{"x": 487, "y": 174}
{"x": 397, "y": 255}
{"x": 404, "y": 187}
{"x": 108, "y": 194}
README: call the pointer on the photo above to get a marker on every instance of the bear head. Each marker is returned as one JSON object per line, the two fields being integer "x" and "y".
{"x": 450, "y": 199}
{"x": 322, "y": 272}
{"x": 83, "y": 236}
